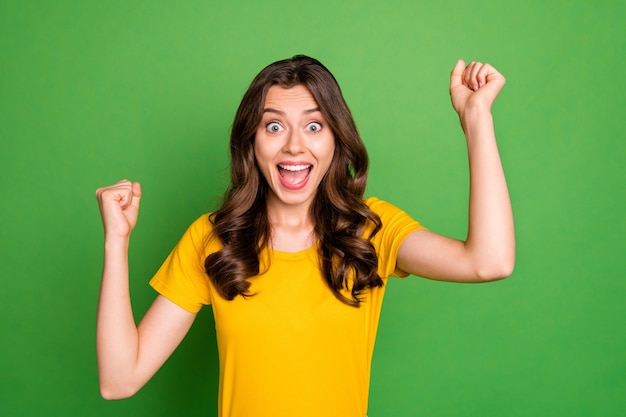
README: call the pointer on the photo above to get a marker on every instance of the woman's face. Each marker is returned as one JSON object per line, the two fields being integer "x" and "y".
{"x": 293, "y": 145}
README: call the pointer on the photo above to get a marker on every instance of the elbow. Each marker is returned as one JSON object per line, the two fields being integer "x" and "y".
{"x": 110, "y": 391}
{"x": 117, "y": 382}
{"x": 495, "y": 274}
{"x": 495, "y": 271}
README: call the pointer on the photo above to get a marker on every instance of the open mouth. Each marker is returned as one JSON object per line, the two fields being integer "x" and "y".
{"x": 293, "y": 176}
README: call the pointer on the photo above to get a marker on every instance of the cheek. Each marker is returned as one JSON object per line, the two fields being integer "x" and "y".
{"x": 259, "y": 152}
{"x": 265, "y": 148}
{"x": 263, "y": 158}
{"x": 329, "y": 151}
{"x": 324, "y": 148}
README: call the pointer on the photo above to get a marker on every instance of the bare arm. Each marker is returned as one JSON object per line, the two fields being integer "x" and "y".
{"x": 488, "y": 252}
{"x": 129, "y": 355}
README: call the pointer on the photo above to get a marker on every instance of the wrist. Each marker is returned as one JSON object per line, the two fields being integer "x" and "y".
{"x": 475, "y": 118}
{"x": 116, "y": 243}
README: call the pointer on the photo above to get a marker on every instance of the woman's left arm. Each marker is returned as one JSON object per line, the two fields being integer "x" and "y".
{"x": 488, "y": 253}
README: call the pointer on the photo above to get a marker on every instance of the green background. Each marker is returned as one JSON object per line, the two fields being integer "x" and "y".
{"x": 91, "y": 92}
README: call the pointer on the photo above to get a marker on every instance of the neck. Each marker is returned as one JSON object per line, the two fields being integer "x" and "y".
{"x": 292, "y": 226}
{"x": 293, "y": 216}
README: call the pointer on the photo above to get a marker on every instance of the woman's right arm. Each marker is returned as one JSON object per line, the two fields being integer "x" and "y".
{"x": 128, "y": 355}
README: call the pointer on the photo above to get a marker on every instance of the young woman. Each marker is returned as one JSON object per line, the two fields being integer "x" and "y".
{"x": 295, "y": 262}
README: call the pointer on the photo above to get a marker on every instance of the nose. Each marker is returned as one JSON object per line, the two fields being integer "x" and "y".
{"x": 294, "y": 143}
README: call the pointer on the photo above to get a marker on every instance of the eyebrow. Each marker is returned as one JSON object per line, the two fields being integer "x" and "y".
{"x": 282, "y": 113}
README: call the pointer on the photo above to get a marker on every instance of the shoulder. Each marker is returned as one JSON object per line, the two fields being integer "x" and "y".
{"x": 202, "y": 223}
{"x": 201, "y": 227}
{"x": 396, "y": 226}
{"x": 395, "y": 221}
{"x": 384, "y": 209}
{"x": 199, "y": 235}
{"x": 376, "y": 204}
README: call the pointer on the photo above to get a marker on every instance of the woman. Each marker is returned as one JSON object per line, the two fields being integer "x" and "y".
{"x": 295, "y": 261}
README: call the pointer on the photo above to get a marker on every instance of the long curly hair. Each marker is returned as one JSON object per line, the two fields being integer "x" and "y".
{"x": 348, "y": 260}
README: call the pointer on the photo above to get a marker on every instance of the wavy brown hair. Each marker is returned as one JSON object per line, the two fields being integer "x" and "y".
{"x": 348, "y": 260}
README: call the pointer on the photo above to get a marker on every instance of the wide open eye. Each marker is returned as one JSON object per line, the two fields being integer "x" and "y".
{"x": 314, "y": 127}
{"x": 273, "y": 127}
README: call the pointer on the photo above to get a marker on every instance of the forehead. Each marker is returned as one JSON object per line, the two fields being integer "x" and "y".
{"x": 298, "y": 97}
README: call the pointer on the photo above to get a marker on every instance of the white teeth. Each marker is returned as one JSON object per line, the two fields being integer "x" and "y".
{"x": 294, "y": 167}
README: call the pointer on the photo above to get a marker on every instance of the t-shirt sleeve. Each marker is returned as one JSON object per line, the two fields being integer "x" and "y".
{"x": 182, "y": 278}
{"x": 397, "y": 225}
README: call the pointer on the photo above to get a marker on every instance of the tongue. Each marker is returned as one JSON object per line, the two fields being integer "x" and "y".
{"x": 293, "y": 177}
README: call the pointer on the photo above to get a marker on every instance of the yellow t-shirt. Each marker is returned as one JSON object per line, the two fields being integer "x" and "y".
{"x": 292, "y": 349}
